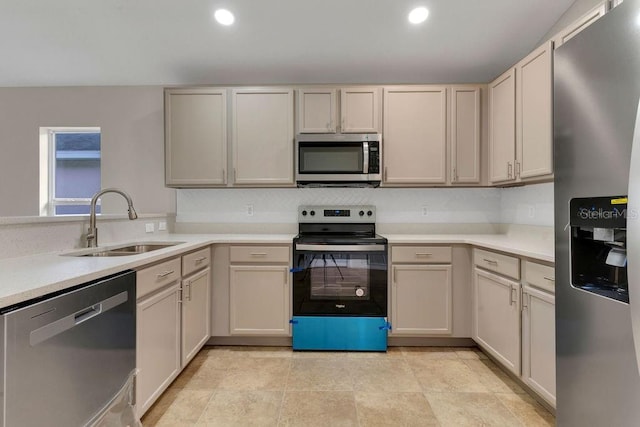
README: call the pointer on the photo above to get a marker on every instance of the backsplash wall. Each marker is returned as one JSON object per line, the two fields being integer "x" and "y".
{"x": 394, "y": 205}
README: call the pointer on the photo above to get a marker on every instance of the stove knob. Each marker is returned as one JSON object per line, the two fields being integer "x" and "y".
{"x": 304, "y": 213}
{"x": 312, "y": 213}
{"x": 361, "y": 213}
{"x": 359, "y": 292}
{"x": 369, "y": 213}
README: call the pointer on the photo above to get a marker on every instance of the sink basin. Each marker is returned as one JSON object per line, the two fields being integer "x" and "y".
{"x": 134, "y": 249}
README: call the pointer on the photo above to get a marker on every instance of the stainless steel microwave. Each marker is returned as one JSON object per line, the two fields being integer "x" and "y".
{"x": 341, "y": 160}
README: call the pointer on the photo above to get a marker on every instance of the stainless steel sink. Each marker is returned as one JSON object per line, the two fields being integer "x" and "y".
{"x": 134, "y": 249}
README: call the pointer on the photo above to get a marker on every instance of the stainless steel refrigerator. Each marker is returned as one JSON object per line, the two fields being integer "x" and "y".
{"x": 596, "y": 129}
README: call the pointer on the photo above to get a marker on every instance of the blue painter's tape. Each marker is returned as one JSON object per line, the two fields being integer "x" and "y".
{"x": 296, "y": 270}
{"x": 293, "y": 322}
{"x": 340, "y": 333}
{"x": 385, "y": 327}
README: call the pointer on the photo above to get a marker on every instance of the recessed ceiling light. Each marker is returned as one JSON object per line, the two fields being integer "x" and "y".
{"x": 418, "y": 15}
{"x": 224, "y": 17}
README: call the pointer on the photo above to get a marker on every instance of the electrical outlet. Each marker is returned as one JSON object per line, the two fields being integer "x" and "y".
{"x": 149, "y": 228}
{"x": 425, "y": 211}
{"x": 249, "y": 210}
{"x": 162, "y": 226}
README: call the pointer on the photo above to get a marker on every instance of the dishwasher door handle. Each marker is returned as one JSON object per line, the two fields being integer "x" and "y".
{"x": 59, "y": 326}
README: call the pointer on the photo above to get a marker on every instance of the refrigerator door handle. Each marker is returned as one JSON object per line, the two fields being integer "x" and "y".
{"x": 633, "y": 236}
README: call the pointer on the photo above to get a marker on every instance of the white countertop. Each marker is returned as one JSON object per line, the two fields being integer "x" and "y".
{"x": 28, "y": 277}
{"x": 531, "y": 247}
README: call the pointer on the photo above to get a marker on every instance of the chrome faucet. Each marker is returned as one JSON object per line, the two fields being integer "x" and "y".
{"x": 92, "y": 234}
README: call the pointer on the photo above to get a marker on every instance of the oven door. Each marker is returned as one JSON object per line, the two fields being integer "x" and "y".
{"x": 340, "y": 280}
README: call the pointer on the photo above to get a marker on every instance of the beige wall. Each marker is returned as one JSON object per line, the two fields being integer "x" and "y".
{"x": 131, "y": 119}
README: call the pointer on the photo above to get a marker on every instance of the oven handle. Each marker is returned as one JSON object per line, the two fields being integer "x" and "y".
{"x": 341, "y": 248}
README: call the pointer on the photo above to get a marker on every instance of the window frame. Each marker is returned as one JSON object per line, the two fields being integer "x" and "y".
{"x": 48, "y": 201}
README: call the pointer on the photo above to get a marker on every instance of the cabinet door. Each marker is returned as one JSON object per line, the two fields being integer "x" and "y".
{"x": 360, "y": 110}
{"x": 195, "y": 137}
{"x": 421, "y": 298}
{"x": 465, "y": 135}
{"x": 580, "y": 24}
{"x": 534, "y": 135}
{"x": 502, "y": 123}
{"x": 259, "y": 300}
{"x": 415, "y": 135}
{"x": 196, "y": 313}
{"x": 317, "y": 111}
{"x": 263, "y": 136}
{"x": 157, "y": 345}
{"x": 497, "y": 318}
{"x": 539, "y": 342}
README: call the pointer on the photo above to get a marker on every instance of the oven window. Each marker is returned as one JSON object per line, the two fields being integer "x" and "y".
{"x": 330, "y": 158}
{"x": 340, "y": 276}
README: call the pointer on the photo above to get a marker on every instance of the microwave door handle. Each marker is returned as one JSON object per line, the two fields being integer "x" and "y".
{"x": 365, "y": 157}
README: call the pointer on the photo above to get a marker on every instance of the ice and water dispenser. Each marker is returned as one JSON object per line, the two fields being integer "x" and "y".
{"x": 599, "y": 246}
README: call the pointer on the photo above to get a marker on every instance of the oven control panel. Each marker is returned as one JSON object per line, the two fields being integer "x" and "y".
{"x": 338, "y": 213}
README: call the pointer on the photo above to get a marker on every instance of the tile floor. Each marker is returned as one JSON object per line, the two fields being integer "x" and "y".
{"x": 267, "y": 386}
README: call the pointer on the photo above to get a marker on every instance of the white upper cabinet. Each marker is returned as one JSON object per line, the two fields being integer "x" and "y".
{"x": 415, "y": 135}
{"x": 262, "y": 136}
{"x": 360, "y": 110}
{"x": 502, "y": 132}
{"x": 465, "y": 135}
{"x": 534, "y": 114}
{"x": 317, "y": 110}
{"x": 581, "y": 23}
{"x": 195, "y": 137}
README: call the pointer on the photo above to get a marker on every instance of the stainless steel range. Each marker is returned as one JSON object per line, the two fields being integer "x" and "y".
{"x": 339, "y": 280}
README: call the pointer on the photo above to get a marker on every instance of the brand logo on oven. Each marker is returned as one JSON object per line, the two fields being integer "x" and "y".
{"x": 340, "y": 306}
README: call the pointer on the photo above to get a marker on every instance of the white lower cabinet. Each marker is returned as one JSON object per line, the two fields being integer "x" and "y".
{"x": 259, "y": 290}
{"x": 173, "y": 321}
{"x": 196, "y": 302}
{"x": 497, "y": 317}
{"x": 157, "y": 344}
{"x": 539, "y": 343}
{"x": 421, "y": 298}
{"x": 259, "y": 300}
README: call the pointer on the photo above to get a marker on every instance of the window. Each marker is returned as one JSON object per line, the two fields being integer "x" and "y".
{"x": 70, "y": 170}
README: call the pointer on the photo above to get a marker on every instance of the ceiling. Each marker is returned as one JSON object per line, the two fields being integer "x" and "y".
{"x": 177, "y": 42}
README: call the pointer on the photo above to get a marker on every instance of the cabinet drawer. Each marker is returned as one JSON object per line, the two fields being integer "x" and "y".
{"x": 259, "y": 254}
{"x": 421, "y": 254}
{"x": 153, "y": 278}
{"x": 196, "y": 261}
{"x": 502, "y": 264}
{"x": 540, "y": 276}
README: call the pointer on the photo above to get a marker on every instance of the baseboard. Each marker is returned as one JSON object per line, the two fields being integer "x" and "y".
{"x": 251, "y": 341}
{"x": 392, "y": 342}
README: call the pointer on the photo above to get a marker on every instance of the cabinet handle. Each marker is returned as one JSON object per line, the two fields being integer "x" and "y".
{"x": 235, "y": 175}
{"x": 199, "y": 260}
{"x": 517, "y": 169}
{"x": 258, "y": 254}
{"x": 224, "y": 176}
{"x": 384, "y": 175}
{"x": 525, "y": 296}
{"x": 455, "y": 175}
{"x": 551, "y": 279}
{"x": 165, "y": 274}
{"x": 509, "y": 170}
{"x": 511, "y": 301}
{"x": 393, "y": 279}
{"x": 423, "y": 254}
{"x": 342, "y": 125}
{"x": 187, "y": 292}
{"x": 490, "y": 261}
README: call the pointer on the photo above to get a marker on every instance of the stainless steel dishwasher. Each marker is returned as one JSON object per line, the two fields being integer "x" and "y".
{"x": 67, "y": 356}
